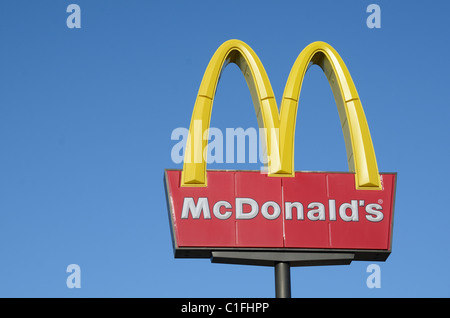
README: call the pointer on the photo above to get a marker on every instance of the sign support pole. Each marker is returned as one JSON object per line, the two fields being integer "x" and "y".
{"x": 282, "y": 280}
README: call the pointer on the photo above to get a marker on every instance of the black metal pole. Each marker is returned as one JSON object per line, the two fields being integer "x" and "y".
{"x": 282, "y": 280}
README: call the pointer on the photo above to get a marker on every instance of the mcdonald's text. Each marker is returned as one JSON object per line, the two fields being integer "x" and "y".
{"x": 247, "y": 208}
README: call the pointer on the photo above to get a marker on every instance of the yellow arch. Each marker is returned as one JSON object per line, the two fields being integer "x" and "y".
{"x": 360, "y": 153}
{"x": 280, "y": 145}
{"x": 232, "y": 51}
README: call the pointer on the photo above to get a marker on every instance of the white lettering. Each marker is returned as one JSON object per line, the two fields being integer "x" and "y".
{"x": 354, "y": 209}
{"x": 288, "y": 208}
{"x": 248, "y": 208}
{"x": 198, "y": 308}
{"x": 196, "y": 210}
{"x": 240, "y": 215}
{"x": 318, "y": 213}
{"x": 216, "y": 210}
{"x": 374, "y": 210}
{"x": 332, "y": 206}
{"x": 276, "y": 210}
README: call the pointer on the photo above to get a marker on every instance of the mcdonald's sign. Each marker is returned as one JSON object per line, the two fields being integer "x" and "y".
{"x": 282, "y": 211}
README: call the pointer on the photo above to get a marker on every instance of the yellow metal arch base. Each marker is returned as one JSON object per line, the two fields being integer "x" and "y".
{"x": 279, "y": 129}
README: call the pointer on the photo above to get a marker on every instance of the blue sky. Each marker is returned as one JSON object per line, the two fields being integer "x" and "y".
{"x": 86, "y": 117}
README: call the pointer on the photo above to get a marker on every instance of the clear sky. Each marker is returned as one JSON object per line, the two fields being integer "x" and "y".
{"x": 86, "y": 116}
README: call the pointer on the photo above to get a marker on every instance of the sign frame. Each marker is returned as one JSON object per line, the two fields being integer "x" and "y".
{"x": 269, "y": 256}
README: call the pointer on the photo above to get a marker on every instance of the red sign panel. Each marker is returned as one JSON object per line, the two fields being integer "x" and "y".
{"x": 311, "y": 211}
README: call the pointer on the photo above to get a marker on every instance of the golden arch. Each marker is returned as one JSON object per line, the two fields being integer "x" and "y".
{"x": 280, "y": 146}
